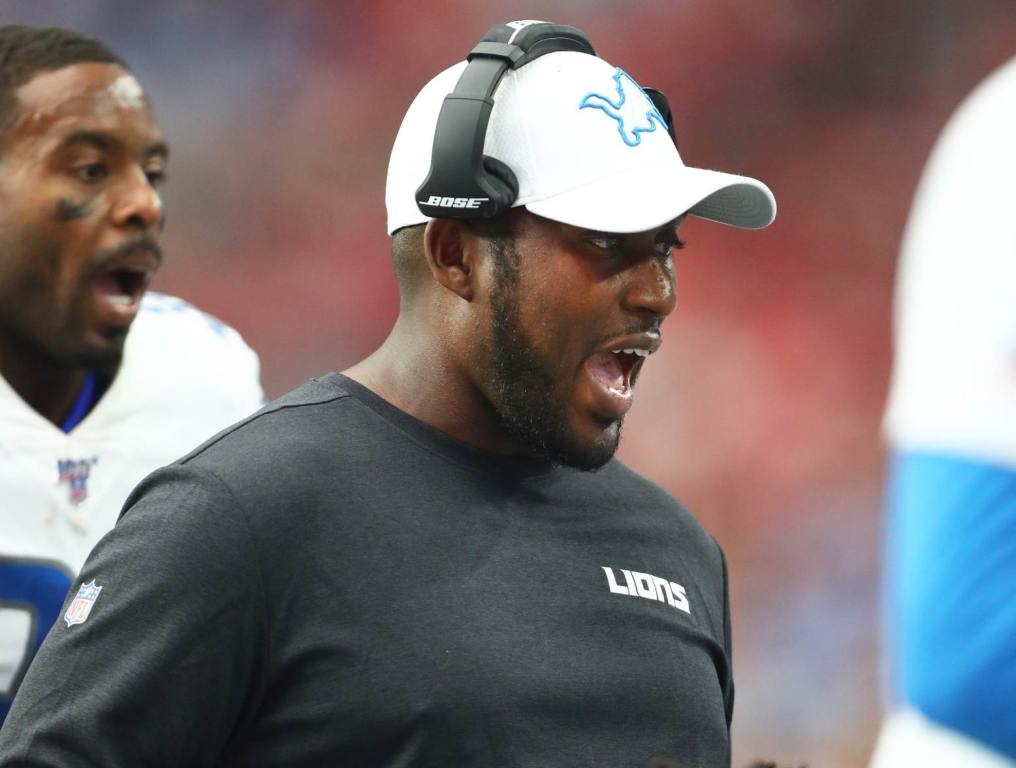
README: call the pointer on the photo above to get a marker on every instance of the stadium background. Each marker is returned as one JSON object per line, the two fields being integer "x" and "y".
{"x": 762, "y": 410}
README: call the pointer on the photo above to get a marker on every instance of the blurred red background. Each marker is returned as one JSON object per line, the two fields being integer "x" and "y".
{"x": 762, "y": 411}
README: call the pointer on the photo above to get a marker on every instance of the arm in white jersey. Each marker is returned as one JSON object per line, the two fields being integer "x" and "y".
{"x": 951, "y": 424}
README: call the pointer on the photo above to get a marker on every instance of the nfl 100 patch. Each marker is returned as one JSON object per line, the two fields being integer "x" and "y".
{"x": 74, "y": 474}
{"x": 81, "y": 605}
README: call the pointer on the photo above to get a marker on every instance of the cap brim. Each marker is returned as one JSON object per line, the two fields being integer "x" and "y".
{"x": 638, "y": 200}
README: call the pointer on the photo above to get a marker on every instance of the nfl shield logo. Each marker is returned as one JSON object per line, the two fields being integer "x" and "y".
{"x": 82, "y": 603}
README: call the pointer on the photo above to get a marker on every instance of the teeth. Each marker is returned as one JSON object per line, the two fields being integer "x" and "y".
{"x": 639, "y": 352}
{"x": 123, "y": 301}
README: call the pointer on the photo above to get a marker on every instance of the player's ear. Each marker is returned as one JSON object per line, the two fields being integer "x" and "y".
{"x": 451, "y": 256}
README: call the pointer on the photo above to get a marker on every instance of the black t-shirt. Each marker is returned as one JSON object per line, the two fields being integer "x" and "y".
{"x": 334, "y": 583}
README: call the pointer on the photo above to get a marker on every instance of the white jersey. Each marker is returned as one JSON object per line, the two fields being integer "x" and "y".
{"x": 951, "y": 428}
{"x": 184, "y": 377}
{"x": 954, "y": 374}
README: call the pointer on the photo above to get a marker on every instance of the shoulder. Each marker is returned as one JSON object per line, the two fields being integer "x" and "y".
{"x": 656, "y": 508}
{"x": 176, "y": 353}
{"x": 316, "y": 425}
{"x": 976, "y": 138}
{"x": 625, "y": 481}
{"x": 181, "y": 326}
{"x": 304, "y": 451}
{"x": 237, "y": 479}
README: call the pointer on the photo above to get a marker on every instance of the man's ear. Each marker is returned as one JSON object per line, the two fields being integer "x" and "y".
{"x": 451, "y": 256}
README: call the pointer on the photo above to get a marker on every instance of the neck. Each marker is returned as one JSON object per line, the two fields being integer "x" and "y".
{"x": 49, "y": 388}
{"x": 418, "y": 373}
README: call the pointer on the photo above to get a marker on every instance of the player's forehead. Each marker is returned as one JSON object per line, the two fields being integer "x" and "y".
{"x": 97, "y": 95}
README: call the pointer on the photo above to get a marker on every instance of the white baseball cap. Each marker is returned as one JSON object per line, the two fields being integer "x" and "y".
{"x": 587, "y": 146}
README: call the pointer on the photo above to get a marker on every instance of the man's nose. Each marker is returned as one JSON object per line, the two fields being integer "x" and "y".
{"x": 138, "y": 204}
{"x": 651, "y": 287}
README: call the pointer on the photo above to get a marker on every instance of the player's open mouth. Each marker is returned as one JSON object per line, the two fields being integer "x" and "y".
{"x": 119, "y": 286}
{"x": 122, "y": 286}
{"x": 614, "y": 370}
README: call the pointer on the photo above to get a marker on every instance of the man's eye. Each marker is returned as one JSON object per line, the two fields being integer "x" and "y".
{"x": 606, "y": 243}
{"x": 664, "y": 247}
{"x": 90, "y": 172}
{"x": 156, "y": 176}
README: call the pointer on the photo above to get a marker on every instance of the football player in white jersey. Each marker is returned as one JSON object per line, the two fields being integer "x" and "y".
{"x": 86, "y": 408}
{"x": 951, "y": 424}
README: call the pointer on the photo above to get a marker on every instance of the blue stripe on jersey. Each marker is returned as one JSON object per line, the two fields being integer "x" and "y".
{"x": 83, "y": 403}
{"x": 951, "y": 570}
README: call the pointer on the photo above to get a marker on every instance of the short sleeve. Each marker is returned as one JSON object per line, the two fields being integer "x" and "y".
{"x": 158, "y": 652}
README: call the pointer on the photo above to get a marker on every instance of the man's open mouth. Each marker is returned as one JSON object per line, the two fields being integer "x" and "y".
{"x": 617, "y": 369}
{"x": 119, "y": 285}
{"x": 613, "y": 369}
{"x": 124, "y": 285}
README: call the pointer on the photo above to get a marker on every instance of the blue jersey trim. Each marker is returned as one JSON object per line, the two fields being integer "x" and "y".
{"x": 83, "y": 403}
{"x": 951, "y": 572}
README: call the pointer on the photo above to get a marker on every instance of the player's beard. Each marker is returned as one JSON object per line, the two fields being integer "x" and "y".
{"x": 47, "y": 330}
{"x": 528, "y": 401}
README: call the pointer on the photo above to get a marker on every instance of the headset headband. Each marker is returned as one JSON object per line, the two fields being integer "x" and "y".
{"x": 463, "y": 183}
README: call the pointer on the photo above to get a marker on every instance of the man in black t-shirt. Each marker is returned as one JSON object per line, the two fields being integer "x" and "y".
{"x": 433, "y": 559}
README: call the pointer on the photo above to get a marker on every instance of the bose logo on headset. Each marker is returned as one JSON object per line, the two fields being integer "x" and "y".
{"x": 456, "y": 202}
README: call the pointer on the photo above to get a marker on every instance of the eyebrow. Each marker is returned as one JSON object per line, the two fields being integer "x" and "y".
{"x": 104, "y": 141}
{"x": 670, "y": 225}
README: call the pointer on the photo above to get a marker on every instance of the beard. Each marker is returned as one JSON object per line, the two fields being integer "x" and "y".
{"x": 528, "y": 403}
{"x": 50, "y": 335}
{"x": 49, "y": 327}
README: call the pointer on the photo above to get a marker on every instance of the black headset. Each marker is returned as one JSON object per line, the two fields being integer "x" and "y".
{"x": 463, "y": 183}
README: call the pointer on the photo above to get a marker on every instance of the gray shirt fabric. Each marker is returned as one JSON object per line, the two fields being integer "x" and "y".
{"x": 334, "y": 583}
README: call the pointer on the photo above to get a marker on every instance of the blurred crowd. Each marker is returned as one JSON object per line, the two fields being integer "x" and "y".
{"x": 761, "y": 413}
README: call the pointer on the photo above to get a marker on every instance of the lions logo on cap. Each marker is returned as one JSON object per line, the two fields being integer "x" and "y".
{"x": 634, "y": 116}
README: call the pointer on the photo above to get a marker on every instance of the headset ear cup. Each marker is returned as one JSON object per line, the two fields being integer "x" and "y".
{"x": 503, "y": 179}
